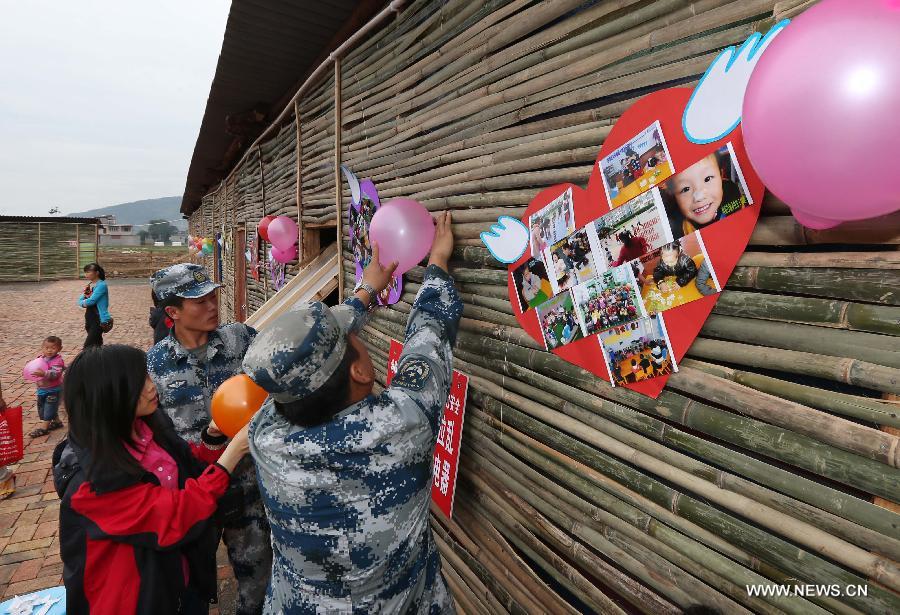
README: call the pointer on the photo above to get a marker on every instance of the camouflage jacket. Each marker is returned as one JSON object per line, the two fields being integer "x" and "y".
{"x": 186, "y": 387}
{"x": 348, "y": 501}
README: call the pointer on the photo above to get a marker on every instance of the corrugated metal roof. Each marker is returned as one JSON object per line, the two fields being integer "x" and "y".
{"x": 268, "y": 47}
{"x": 61, "y": 219}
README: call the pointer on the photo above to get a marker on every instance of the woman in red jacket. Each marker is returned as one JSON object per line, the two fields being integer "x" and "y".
{"x": 136, "y": 518}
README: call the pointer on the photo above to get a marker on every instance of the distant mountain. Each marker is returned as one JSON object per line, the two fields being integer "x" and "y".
{"x": 141, "y": 212}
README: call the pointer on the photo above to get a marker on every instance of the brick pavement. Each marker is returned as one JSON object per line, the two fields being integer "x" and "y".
{"x": 29, "y": 547}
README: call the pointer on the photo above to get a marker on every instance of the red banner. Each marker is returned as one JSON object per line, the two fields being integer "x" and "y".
{"x": 446, "y": 452}
{"x": 11, "y": 438}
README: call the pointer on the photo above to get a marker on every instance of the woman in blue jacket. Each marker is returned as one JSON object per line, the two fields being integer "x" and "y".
{"x": 95, "y": 300}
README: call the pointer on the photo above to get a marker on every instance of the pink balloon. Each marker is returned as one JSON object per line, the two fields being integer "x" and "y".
{"x": 404, "y": 231}
{"x": 283, "y": 232}
{"x": 28, "y": 372}
{"x": 284, "y": 255}
{"x": 820, "y": 114}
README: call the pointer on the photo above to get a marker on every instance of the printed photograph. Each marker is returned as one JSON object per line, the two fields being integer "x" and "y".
{"x": 611, "y": 300}
{"x": 570, "y": 262}
{"x": 674, "y": 274}
{"x": 638, "y": 351}
{"x": 632, "y": 230}
{"x": 637, "y": 166}
{"x": 558, "y": 320}
{"x": 707, "y": 191}
{"x": 532, "y": 283}
{"x": 552, "y": 223}
{"x": 360, "y": 218}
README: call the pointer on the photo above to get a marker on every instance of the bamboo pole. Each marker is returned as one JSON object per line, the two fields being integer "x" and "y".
{"x": 555, "y": 566}
{"x": 889, "y": 260}
{"x": 767, "y": 475}
{"x": 631, "y": 555}
{"x": 259, "y": 239}
{"x": 337, "y": 173}
{"x": 40, "y": 257}
{"x": 802, "y": 451}
{"x": 863, "y": 408}
{"x": 516, "y": 570}
{"x": 298, "y": 182}
{"x": 762, "y": 544}
{"x": 701, "y": 561}
{"x": 701, "y": 479}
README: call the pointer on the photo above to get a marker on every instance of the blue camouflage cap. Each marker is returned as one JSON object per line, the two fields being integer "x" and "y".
{"x": 301, "y": 349}
{"x": 182, "y": 280}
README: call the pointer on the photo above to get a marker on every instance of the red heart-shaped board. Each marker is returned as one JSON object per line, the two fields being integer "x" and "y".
{"x": 725, "y": 240}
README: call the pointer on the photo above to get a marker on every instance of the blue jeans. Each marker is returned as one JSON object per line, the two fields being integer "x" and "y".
{"x": 47, "y": 405}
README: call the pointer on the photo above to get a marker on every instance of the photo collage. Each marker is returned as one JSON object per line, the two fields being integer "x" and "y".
{"x": 614, "y": 277}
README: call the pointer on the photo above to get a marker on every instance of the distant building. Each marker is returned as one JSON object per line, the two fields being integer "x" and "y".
{"x": 112, "y": 234}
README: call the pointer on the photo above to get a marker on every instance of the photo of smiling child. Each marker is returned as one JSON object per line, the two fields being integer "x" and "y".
{"x": 532, "y": 284}
{"x": 707, "y": 191}
{"x": 675, "y": 274}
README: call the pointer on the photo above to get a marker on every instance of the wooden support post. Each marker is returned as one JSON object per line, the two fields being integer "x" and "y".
{"x": 77, "y": 251}
{"x": 259, "y": 240}
{"x": 337, "y": 176}
{"x": 39, "y": 258}
{"x": 298, "y": 188}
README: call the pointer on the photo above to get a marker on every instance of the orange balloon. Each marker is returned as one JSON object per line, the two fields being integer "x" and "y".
{"x": 235, "y": 402}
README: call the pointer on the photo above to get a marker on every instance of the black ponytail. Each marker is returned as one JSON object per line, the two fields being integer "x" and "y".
{"x": 95, "y": 267}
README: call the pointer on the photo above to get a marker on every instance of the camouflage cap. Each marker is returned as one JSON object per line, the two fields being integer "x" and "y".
{"x": 300, "y": 350}
{"x": 182, "y": 280}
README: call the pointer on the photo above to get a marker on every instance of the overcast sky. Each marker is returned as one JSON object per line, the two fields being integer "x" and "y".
{"x": 101, "y": 100}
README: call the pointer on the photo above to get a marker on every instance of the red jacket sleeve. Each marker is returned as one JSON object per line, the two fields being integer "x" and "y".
{"x": 205, "y": 454}
{"x": 152, "y": 516}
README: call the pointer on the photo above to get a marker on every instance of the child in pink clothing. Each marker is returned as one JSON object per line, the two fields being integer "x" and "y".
{"x": 49, "y": 386}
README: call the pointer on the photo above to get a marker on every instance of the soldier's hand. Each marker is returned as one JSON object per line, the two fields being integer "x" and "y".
{"x": 236, "y": 449}
{"x": 442, "y": 246}
{"x": 376, "y": 275}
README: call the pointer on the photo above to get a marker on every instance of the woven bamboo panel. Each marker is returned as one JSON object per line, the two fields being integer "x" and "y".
{"x": 762, "y": 462}
{"x": 46, "y": 250}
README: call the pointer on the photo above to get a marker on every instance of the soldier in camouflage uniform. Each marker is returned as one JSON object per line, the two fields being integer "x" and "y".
{"x": 187, "y": 367}
{"x": 345, "y": 474}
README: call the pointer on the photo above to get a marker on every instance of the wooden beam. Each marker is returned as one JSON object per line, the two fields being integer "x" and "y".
{"x": 259, "y": 240}
{"x": 298, "y": 188}
{"x": 39, "y": 252}
{"x": 337, "y": 174}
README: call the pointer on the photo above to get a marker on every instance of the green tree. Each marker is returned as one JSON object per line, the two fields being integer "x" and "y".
{"x": 143, "y": 235}
{"x": 161, "y": 230}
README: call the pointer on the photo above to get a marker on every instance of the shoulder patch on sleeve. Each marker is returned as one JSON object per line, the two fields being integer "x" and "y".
{"x": 413, "y": 374}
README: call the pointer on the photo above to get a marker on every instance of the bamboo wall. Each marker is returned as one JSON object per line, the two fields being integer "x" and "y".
{"x": 768, "y": 457}
{"x": 37, "y": 251}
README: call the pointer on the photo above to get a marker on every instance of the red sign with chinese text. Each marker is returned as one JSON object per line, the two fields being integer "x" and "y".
{"x": 449, "y": 440}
